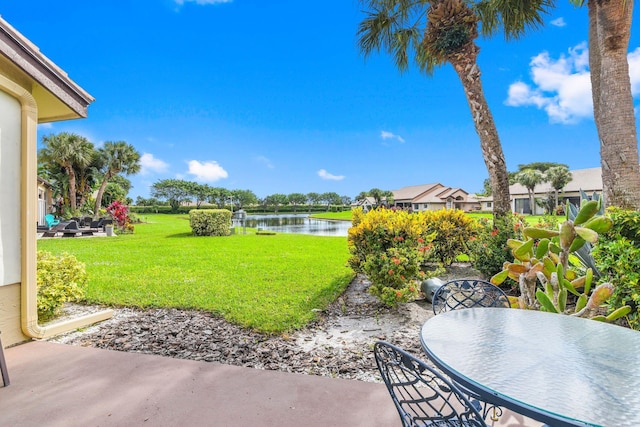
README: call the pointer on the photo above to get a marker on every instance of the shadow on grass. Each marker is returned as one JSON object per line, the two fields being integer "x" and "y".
{"x": 180, "y": 235}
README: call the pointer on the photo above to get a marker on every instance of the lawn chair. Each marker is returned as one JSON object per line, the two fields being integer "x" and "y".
{"x": 51, "y": 220}
{"x": 72, "y": 230}
{"x": 53, "y": 232}
{"x": 423, "y": 395}
{"x": 3, "y": 367}
{"x": 467, "y": 293}
{"x": 96, "y": 225}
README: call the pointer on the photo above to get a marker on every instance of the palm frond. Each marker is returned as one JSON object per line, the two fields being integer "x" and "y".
{"x": 514, "y": 17}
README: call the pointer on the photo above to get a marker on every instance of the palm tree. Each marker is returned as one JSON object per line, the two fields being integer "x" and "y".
{"x": 530, "y": 178}
{"x": 613, "y": 109}
{"x": 68, "y": 150}
{"x": 118, "y": 157}
{"x": 436, "y": 32}
{"x": 558, "y": 177}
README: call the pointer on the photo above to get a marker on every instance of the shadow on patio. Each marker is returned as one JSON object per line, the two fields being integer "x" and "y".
{"x": 62, "y": 385}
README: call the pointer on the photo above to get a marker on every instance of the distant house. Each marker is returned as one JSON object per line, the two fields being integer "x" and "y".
{"x": 45, "y": 200}
{"x": 587, "y": 180}
{"x": 33, "y": 90}
{"x": 433, "y": 197}
{"x": 366, "y": 204}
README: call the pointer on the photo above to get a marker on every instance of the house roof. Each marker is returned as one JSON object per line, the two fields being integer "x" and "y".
{"x": 412, "y": 192}
{"x": 588, "y": 180}
{"x": 58, "y": 97}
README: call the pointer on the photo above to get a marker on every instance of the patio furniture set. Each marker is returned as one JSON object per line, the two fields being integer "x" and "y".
{"x": 557, "y": 369}
{"x": 74, "y": 227}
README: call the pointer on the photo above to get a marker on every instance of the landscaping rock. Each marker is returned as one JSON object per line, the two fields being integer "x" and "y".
{"x": 337, "y": 344}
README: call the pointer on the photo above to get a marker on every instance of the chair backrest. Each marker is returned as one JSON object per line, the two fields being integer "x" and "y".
{"x": 50, "y": 220}
{"x": 467, "y": 293}
{"x": 422, "y": 394}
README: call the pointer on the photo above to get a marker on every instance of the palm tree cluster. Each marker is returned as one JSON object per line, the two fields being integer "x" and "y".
{"x": 557, "y": 175}
{"x": 77, "y": 171}
{"x": 432, "y": 33}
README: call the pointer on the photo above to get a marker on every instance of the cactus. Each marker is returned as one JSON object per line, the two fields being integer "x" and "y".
{"x": 545, "y": 275}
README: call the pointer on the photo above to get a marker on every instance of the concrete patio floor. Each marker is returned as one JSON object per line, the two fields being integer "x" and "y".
{"x": 62, "y": 385}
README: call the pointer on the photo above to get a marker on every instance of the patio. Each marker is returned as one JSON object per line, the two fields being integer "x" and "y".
{"x": 62, "y": 385}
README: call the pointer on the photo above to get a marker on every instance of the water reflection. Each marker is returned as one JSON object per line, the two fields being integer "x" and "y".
{"x": 297, "y": 224}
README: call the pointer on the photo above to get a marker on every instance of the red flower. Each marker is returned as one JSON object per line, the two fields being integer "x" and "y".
{"x": 390, "y": 272}
{"x": 396, "y": 261}
{"x": 420, "y": 240}
{"x": 495, "y": 232}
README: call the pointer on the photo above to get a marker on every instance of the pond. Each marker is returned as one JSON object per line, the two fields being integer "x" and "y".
{"x": 297, "y": 224}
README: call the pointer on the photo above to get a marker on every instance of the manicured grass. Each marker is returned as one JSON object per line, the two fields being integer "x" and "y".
{"x": 341, "y": 216}
{"x": 268, "y": 283}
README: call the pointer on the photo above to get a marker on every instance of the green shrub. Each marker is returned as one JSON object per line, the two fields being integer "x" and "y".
{"x": 390, "y": 247}
{"x": 60, "y": 278}
{"x": 210, "y": 222}
{"x": 488, "y": 249}
{"x": 617, "y": 257}
{"x": 453, "y": 230}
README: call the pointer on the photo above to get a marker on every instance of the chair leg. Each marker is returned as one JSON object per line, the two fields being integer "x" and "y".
{"x": 3, "y": 367}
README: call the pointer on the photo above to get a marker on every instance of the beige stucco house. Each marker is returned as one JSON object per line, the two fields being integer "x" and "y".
{"x": 433, "y": 197}
{"x": 32, "y": 90}
{"x": 587, "y": 180}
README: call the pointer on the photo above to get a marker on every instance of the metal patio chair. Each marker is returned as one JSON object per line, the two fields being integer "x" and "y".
{"x": 423, "y": 396}
{"x": 468, "y": 293}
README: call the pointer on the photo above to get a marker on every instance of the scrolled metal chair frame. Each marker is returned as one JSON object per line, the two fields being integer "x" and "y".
{"x": 423, "y": 396}
{"x": 468, "y": 293}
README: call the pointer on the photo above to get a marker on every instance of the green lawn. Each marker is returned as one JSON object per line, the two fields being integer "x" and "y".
{"x": 267, "y": 283}
{"x": 341, "y": 216}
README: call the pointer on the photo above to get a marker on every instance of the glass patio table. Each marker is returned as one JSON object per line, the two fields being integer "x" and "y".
{"x": 557, "y": 369}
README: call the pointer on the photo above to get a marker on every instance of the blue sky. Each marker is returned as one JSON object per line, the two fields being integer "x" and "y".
{"x": 275, "y": 97}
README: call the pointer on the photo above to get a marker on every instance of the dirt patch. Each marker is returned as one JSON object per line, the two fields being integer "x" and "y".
{"x": 338, "y": 343}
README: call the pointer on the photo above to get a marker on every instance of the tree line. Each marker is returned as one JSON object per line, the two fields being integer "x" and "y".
{"x": 76, "y": 169}
{"x": 177, "y": 192}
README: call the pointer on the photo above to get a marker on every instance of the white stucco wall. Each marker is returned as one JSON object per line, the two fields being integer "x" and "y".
{"x": 10, "y": 163}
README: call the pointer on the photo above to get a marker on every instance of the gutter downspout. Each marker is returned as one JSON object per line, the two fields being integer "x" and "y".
{"x": 28, "y": 286}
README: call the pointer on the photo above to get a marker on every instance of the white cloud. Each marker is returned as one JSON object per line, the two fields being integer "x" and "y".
{"x": 559, "y": 22}
{"x": 326, "y": 175}
{"x": 634, "y": 71}
{"x": 208, "y": 171}
{"x": 149, "y": 164}
{"x": 42, "y": 126}
{"x": 388, "y": 135}
{"x": 202, "y": 2}
{"x": 265, "y": 161}
{"x": 562, "y": 87}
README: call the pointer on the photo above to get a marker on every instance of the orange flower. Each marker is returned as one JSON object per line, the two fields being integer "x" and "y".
{"x": 396, "y": 261}
{"x": 390, "y": 272}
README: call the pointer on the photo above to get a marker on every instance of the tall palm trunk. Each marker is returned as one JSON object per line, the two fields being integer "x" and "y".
{"x": 72, "y": 188}
{"x": 466, "y": 66}
{"x": 103, "y": 187}
{"x": 609, "y": 31}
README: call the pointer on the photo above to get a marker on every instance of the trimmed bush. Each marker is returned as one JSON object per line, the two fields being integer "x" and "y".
{"x": 210, "y": 222}
{"x": 60, "y": 278}
{"x": 390, "y": 247}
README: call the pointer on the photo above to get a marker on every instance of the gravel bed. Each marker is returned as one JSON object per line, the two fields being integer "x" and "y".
{"x": 337, "y": 344}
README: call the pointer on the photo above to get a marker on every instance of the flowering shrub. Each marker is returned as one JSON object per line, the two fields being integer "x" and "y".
{"x": 59, "y": 279}
{"x": 453, "y": 229}
{"x": 390, "y": 247}
{"x": 488, "y": 250}
{"x": 120, "y": 214}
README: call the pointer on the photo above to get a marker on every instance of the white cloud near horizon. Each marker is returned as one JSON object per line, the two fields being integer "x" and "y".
{"x": 330, "y": 177}
{"x": 559, "y": 22}
{"x": 209, "y": 171}
{"x": 389, "y": 135}
{"x": 201, "y": 2}
{"x": 562, "y": 87}
{"x": 149, "y": 164}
